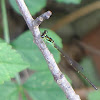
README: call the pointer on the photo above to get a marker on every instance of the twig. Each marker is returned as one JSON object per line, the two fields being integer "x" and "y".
{"x": 89, "y": 48}
{"x": 77, "y": 14}
{"x": 34, "y": 27}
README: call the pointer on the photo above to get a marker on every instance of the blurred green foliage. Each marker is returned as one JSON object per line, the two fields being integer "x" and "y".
{"x": 69, "y": 1}
{"x": 42, "y": 86}
{"x": 34, "y": 6}
{"x": 10, "y": 62}
{"x": 9, "y": 91}
{"x": 39, "y": 85}
{"x": 94, "y": 95}
{"x": 89, "y": 71}
{"x": 30, "y": 52}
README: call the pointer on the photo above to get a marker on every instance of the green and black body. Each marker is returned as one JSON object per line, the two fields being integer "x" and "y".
{"x": 72, "y": 62}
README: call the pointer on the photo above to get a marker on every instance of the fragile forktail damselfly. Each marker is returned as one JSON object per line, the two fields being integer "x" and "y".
{"x": 72, "y": 62}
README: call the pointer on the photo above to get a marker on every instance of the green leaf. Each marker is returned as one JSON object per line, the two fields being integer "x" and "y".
{"x": 1, "y": 40}
{"x": 94, "y": 95}
{"x": 69, "y": 1}
{"x": 34, "y": 6}
{"x": 89, "y": 71}
{"x": 41, "y": 85}
{"x": 31, "y": 53}
{"x": 8, "y": 91}
{"x": 10, "y": 62}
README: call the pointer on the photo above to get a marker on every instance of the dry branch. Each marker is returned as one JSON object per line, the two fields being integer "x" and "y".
{"x": 34, "y": 27}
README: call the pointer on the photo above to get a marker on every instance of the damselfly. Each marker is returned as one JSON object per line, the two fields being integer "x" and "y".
{"x": 72, "y": 62}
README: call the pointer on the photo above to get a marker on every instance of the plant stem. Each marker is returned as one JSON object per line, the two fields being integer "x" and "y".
{"x": 5, "y": 22}
{"x": 22, "y": 93}
{"x": 6, "y": 31}
{"x": 18, "y": 79}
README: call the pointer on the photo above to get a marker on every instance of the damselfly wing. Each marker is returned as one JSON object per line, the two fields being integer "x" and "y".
{"x": 72, "y": 62}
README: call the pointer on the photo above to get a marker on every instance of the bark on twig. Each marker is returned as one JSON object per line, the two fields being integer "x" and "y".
{"x": 34, "y": 27}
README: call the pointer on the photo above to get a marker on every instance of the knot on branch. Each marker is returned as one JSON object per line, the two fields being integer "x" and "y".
{"x": 41, "y": 18}
{"x": 58, "y": 78}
